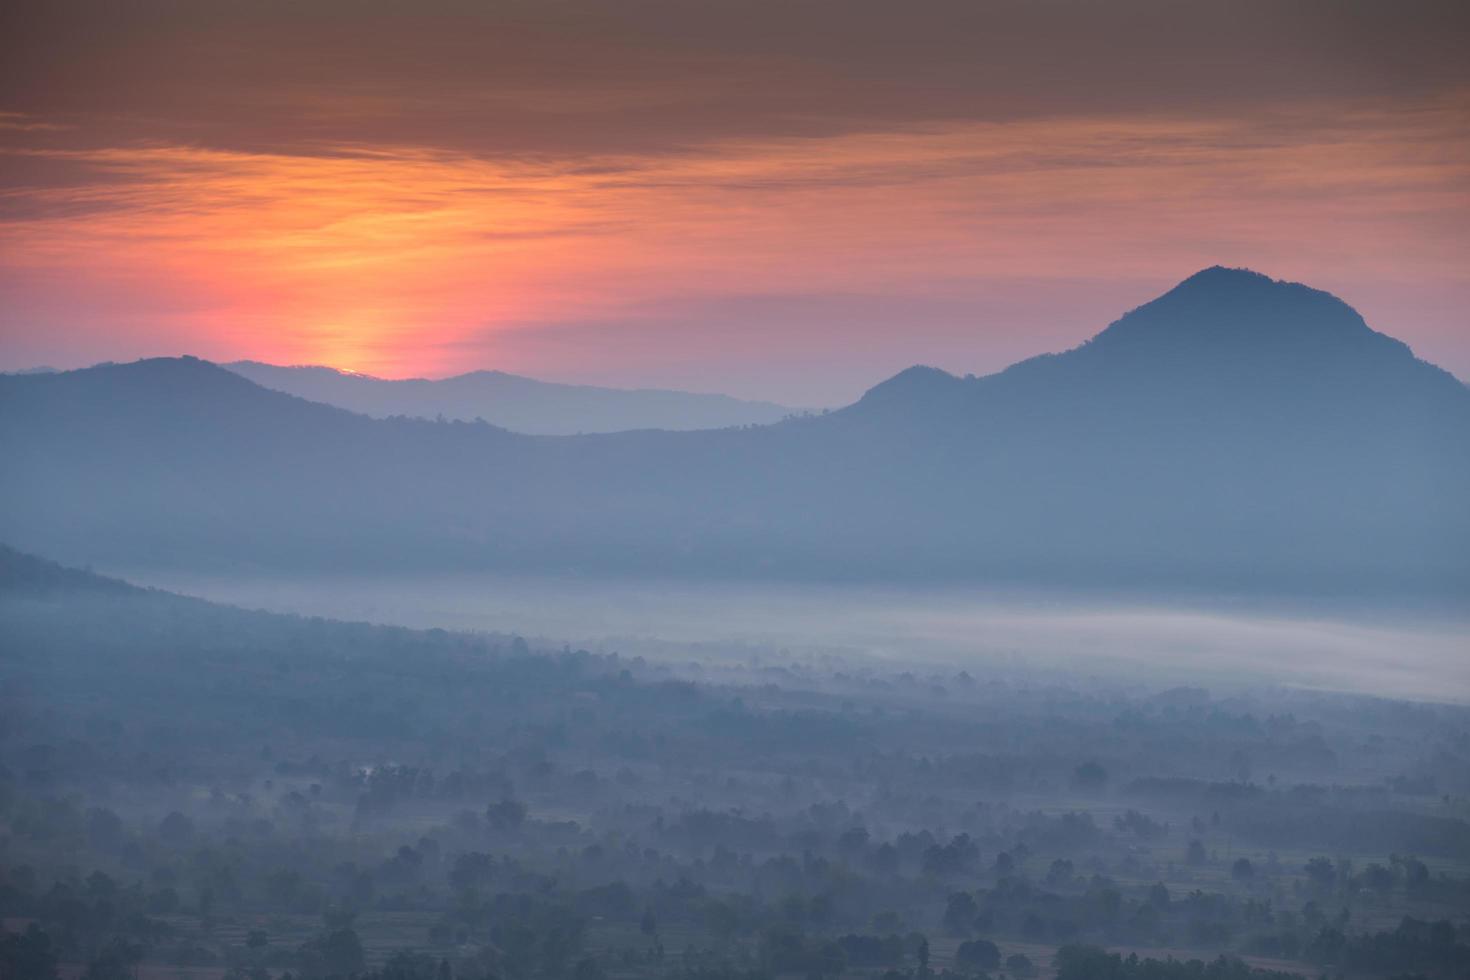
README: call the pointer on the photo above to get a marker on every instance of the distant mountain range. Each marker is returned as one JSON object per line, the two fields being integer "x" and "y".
{"x": 1235, "y": 432}
{"x": 42, "y": 369}
{"x": 514, "y": 402}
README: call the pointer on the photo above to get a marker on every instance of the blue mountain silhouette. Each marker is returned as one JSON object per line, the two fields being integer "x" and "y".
{"x": 1237, "y": 431}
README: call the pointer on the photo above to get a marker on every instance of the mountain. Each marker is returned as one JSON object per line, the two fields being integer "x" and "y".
{"x": 514, "y": 402}
{"x": 1236, "y": 432}
{"x": 30, "y": 577}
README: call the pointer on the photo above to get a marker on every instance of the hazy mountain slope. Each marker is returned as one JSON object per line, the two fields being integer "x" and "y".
{"x": 1235, "y": 417}
{"x": 26, "y": 576}
{"x": 514, "y": 402}
{"x": 1236, "y": 431}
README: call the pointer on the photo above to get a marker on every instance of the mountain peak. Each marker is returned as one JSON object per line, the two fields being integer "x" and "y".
{"x": 917, "y": 383}
{"x": 1221, "y": 286}
{"x": 1220, "y": 330}
{"x": 1220, "y": 276}
{"x": 1242, "y": 314}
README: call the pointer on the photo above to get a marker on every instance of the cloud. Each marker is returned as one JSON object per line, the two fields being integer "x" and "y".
{"x": 385, "y": 258}
{"x": 655, "y": 76}
{"x": 399, "y": 191}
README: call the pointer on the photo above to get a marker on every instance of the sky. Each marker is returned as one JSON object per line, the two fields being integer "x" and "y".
{"x": 788, "y": 200}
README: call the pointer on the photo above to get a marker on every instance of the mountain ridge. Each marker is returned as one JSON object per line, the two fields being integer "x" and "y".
{"x": 1334, "y": 456}
{"x": 513, "y": 401}
{"x": 1258, "y": 329}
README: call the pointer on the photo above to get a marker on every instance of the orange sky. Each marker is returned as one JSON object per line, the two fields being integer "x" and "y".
{"x": 801, "y": 266}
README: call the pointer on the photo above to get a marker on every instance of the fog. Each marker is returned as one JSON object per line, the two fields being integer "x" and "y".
{"x": 553, "y": 778}
{"x": 1419, "y": 651}
{"x": 336, "y": 710}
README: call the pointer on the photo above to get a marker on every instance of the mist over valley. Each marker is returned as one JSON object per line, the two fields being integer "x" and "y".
{"x": 665, "y": 490}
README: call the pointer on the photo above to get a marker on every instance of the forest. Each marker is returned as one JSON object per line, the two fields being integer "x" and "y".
{"x": 194, "y": 790}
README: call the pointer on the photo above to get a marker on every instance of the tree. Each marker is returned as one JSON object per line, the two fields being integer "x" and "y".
{"x": 960, "y": 913}
{"x": 506, "y": 815}
{"x": 334, "y": 953}
{"x": 406, "y": 965}
{"x": 1090, "y": 963}
{"x": 1242, "y": 870}
{"x": 1378, "y": 879}
{"x": 176, "y": 828}
{"x": 1196, "y": 853}
{"x": 1416, "y": 873}
{"x": 1140, "y": 825}
{"x": 27, "y": 956}
{"x": 104, "y": 827}
{"x": 853, "y": 840}
{"x": 1321, "y": 872}
{"x": 978, "y": 954}
{"x": 1020, "y": 965}
{"x": 118, "y": 960}
{"x": 471, "y": 870}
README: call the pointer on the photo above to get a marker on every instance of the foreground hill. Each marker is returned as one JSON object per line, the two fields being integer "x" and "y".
{"x": 514, "y": 402}
{"x": 1237, "y": 431}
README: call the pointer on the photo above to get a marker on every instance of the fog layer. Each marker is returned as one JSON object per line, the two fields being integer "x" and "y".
{"x": 1414, "y": 652}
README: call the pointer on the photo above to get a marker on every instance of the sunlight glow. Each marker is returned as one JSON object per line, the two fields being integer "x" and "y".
{"x": 402, "y": 261}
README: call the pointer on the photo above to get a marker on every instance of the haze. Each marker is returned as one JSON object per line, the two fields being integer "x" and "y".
{"x": 1413, "y": 652}
{"x": 707, "y": 490}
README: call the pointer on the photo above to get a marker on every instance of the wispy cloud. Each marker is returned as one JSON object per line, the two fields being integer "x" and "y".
{"x": 396, "y": 259}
